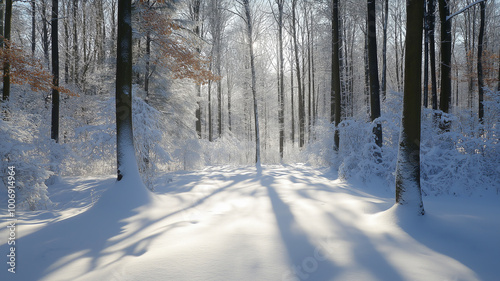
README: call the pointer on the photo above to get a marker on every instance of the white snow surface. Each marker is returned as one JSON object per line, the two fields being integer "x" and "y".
{"x": 233, "y": 223}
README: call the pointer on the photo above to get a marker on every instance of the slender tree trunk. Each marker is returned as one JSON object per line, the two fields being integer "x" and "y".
{"x": 373, "y": 65}
{"x": 66, "y": 43}
{"x": 6, "y": 45}
{"x": 426, "y": 54}
{"x": 335, "y": 111}
{"x": 281, "y": 79}
{"x": 254, "y": 81}
{"x": 2, "y": 17}
{"x": 76, "y": 57}
{"x": 45, "y": 31}
{"x": 432, "y": 52}
{"x": 124, "y": 130}
{"x": 55, "y": 70}
{"x": 444, "y": 11}
{"x": 297, "y": 65}
{"x": 408, "y": 191}
{"x": 148, "y": 59}
{"x": 33, "y": 27}
{"x": 291, "y": 97}
{"x": 384, "y": 51}
{"x": 480, "y": 79}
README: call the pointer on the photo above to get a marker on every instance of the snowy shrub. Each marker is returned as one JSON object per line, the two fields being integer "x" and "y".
{"x": 22, "y": 148}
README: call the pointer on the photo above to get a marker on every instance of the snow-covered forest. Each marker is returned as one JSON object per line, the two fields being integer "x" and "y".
{"x": 250, "y": 139}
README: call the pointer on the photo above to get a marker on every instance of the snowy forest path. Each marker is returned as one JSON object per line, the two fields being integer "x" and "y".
{"x": 286, "y": 222}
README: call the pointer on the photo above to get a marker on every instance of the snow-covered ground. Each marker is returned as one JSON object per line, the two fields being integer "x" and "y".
{"x": 232, "y": 223}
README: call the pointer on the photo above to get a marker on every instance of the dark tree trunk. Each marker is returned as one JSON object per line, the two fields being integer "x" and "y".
{"x": 373, "y": 65}
{"x": 297, "y": 65}
{"x": 426, "y": 54}
{"x": 408, "y": 191}
{"x": 432, "y": 51}
{"x": 6, "y": 65}
{"x": 335, "y": 111}
{"x": 124, "y": 130}
{"x": 444, "y": 11}
{"x": 480, "y": 79}
{"x": 45, "y": 31}
{"x": 76, "y": 57}
{"x": 384, "y": 50}
{"x": 55, "y": 70}
{"x": 33, "y": 27}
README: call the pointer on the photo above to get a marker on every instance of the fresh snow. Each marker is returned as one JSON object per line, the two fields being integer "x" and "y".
{"x": 233, "y": 223}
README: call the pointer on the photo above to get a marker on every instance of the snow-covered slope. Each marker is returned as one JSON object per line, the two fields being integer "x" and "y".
{"x": 227, "y": 223}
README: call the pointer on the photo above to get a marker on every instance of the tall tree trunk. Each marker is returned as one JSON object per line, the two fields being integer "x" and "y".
{"x": 297, "y": 65}
{"x": 55, "y": 70}
{"x": 76, "y": 57}
{"x": 124, "y": 130}
{"x": 195, "y": 16}
{"x": 432, "y": 52}
{"x": 384, "y": 51}
{"x": 281, "y": 98}
{"x": 33, "y": 27}
{"x": 291, "y": 96}
{"x": 444, "y": 11}
{"x": 408, "y": 191}
{"x": 480, "y": 79}
{"x": 66, "y": 43}
{"x": 45, "y": 31}
{"x": 335, "y": 111}
{"x": 373, "y": 65}
{"x": 6, "y": 65}
{"x": 254, "y": 81}
{"x": 426, "y": 54}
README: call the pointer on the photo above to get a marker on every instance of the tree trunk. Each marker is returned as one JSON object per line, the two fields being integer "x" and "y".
{"x": 45, "y": 31}
{"x": 432, "y": 52}
{"x": 480, "y": 79}
{"x": 55, "y": 70}
{"x": 254, "y": 90}
{"x": 426, "y": 54}
{"x": 281, "y": 97}
{"x": 408, "y": 191}
{"x": 6, "y": 65}
{"x": 33, "y": 27}
{"x": 297, "y": 65}
{"x": 76, "y": 57}
{"x": 335, "y": 111}
{"x": 444, "y": 11}
{"x": 124, "y": 130}
{"x": 384, "y": 51}
{"x": 373, "y": 65}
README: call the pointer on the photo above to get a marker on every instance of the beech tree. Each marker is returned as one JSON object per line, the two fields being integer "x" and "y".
{"x": 408, "y": 190}
{"x": 124, "y": 133}
{"x": 335, "y": 111}
{"x": 373, "y": 66}
{"x": 55, "y": 71}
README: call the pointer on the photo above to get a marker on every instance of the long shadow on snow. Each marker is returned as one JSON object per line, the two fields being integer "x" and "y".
{"x": 95, "y": 235}
{"x": 301, "y": 251}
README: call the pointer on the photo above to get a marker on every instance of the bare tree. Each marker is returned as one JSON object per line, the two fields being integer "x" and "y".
{"x": 55, "y": 70}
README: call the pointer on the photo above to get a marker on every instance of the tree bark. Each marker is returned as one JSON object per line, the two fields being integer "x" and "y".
{"x": 6, "y": 65}
{"x": 480, "y": 78}
{"x": 432, "y": 52}
{"x": 254, "y": 81}
{"x": 384, "y": 51}
{"x": 281, "y": 95}
{"x": 124, "y": 129}
{"x": 373, "y": 65}
{"x": 335, "y": 111}
{"x": 445, "y": 97}
{"x": 33, "y": 27}
{"x": 55, "y": 70}
{"x": 297, "y": 65}
{"x": 408, "y": 190}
